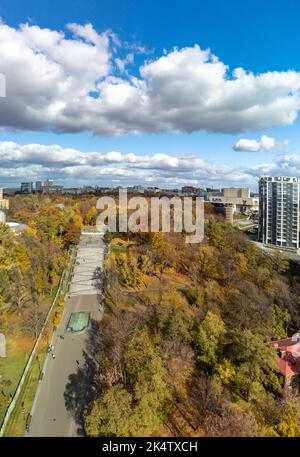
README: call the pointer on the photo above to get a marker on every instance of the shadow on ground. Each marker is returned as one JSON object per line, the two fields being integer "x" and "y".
{"x": 80, "y": 390}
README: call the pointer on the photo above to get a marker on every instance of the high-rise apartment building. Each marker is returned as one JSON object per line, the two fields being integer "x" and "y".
{"x": 26, "y": 188}
{"x": 279, "y": 211}
{"x": 38, "y": 187}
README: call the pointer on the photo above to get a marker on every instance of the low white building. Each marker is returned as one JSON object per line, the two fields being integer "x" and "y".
{"x": 4, "y": 202}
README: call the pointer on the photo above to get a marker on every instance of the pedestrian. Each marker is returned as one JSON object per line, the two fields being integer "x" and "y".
{"x": 52, "y": 348}
{"x": 53, "y": 356}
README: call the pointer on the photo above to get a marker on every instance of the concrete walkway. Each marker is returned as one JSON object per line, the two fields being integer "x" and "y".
{"x": 67, "y": 386}
{"x": 89, "y": 259}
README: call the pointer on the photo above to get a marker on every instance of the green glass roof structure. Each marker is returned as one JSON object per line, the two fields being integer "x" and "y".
{"x": 78, "y": 322}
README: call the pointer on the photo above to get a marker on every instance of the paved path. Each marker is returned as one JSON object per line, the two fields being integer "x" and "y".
{"x": 90, "y": 257}
{"x": 273, "y": 250}
{"x": 67, "y": 387}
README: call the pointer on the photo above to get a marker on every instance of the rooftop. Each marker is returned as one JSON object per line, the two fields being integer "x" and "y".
{"x": 288, "y": 351}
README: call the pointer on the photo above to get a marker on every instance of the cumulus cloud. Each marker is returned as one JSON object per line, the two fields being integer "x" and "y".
{"x": 14, "y": 154}
{"x": 71, "y": 167}
{"x": 66, "y": 82}
{"x": 121, "y": 63}
{"x": 264, "y": 143}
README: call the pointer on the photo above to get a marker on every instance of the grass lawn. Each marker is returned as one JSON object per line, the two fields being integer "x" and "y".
{"x": 11, "y": 369}
{"x": 17, "y": 424}
{"x": 19, "y": 348}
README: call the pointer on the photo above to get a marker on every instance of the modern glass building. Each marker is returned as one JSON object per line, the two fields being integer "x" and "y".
{"x": 39, "y": 187}
{"x": 26, "y": 188}
{"x": 279, "y": 211}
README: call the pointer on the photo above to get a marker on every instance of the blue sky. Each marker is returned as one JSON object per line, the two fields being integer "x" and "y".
{"x": 262, "y": 37}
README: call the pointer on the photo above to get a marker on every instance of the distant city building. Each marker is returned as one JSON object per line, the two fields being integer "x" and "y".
{"x": 50, "y": 188}
{"x": 189, "y": 190}
{"x": 72, "y": 191}
{"x": 138, "y": 188}
{"x": 55, "y": 189}
{"x": 135, "y": 189}
{"x": 236, "y": 192}
{"x": 4, "y": 203}
{"x": 279, "y": 211}
{"x": 211, "y": 190}
{"x": 209, "y": 194}
{"x": 153, "y": 189}
{"x": 102, "y": 190}
{"x": 26, "y": 188}
{"x": 38, "y": 187}
{"x": 238, "y": 197}
{"x": 88, "y": 190}
{"x": 48, "y": 183}
{"x": 9, "y": 191}
{"x": 202, "y": 193}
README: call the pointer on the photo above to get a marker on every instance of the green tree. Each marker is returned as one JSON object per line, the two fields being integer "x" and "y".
{"x": 209, "y": 337}
{"x": 111, "y": 414}
{"x": 256, "y": 364}
{"x": 289, "y": 425}
{"x": 147, "y": 378}
{"x": 280, "y": 318}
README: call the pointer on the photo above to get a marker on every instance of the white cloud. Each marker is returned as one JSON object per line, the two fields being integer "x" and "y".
{"x": 73, "y": 167}
{"x": 13, "y": 154}
{"x": 121, "y": 63}
{"x": 67, "y": 83}
{"x": 46, "y": 73}
{"x": 264, "y": 143}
